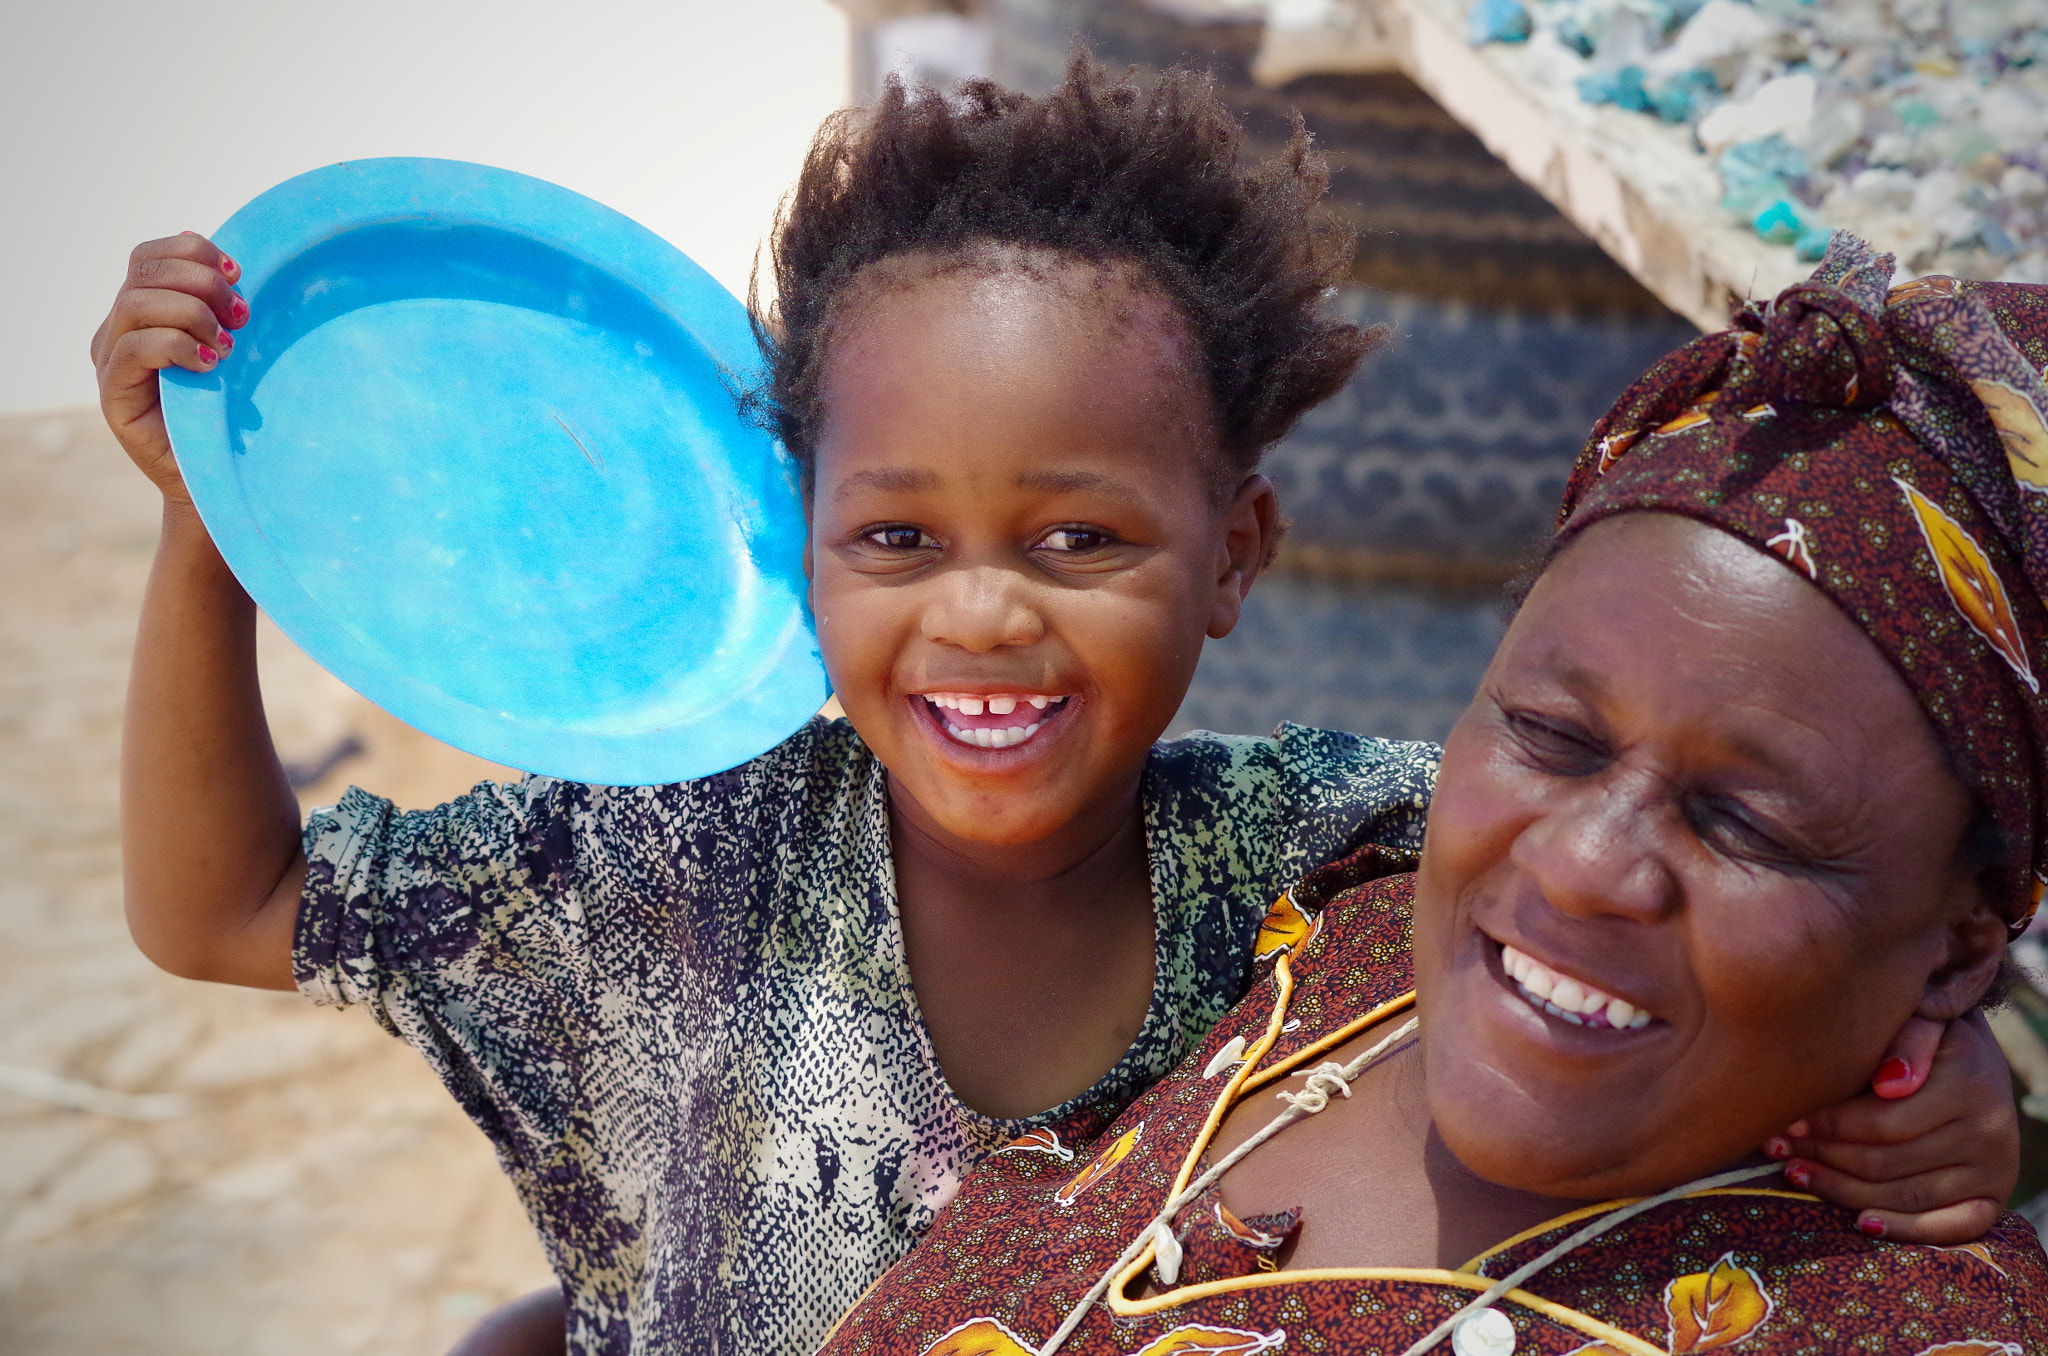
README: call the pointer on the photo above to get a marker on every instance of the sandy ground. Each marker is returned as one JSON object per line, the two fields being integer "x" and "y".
{"x": 311, "y": 1190}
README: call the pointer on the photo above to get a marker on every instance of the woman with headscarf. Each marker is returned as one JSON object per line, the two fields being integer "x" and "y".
{"x": 1755, "y": 777}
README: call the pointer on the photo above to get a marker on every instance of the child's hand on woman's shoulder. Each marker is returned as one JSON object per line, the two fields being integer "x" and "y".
{"x": 1921, "y": 1164}
{"x": 176, "y": 307}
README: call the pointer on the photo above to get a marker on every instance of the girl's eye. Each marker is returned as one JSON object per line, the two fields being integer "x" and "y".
{"x": 900, "y": 538}
{"x": 1074, "y": 539}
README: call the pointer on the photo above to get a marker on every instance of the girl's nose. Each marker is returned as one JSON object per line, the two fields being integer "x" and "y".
{"x": 982, "y": 609}
{"x": 1597, "y": 851}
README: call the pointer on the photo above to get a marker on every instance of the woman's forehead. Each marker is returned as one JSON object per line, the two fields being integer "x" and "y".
{"x": 1655, "y": 618}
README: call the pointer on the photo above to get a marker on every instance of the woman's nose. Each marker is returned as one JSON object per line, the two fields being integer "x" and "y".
{"x": 1596, "y": 851}
{"x": 982, "y": 609}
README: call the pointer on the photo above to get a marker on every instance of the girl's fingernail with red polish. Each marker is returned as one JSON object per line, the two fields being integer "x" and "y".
{"x": 207, "y": 355}
{"x": 1893, "y": 1070}
{"x": 227, "y": 265}
{"x": 1777, "y": 1148}
{"x": 1871, "y": 1225}
{"x": 1798, "y": 1174}
{"x": 238, "y": 311}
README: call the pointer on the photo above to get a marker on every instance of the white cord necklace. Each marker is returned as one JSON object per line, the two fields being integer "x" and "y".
{"x": 1323, "y": 1082}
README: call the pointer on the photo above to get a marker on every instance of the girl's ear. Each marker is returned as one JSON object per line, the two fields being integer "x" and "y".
{"x": 1251, "y": 534}
{"x": 1976, "y": 946}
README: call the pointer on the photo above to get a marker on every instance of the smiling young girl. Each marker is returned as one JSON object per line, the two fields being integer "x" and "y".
{"x": 737, "y": 1040}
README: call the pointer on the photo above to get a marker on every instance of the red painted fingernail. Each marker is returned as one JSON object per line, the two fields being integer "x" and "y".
{"x": 228, "y": 266}
{"x": 1871, "y": 1225}
{"x": 207, "y": 355}
{"x": 239, "y": 311}
{"x": 1777, "y": 1148}
{"x": 223, "y": 338}
{"x": 1893, "y": 1070}
{"x": 1798, "y": 1174}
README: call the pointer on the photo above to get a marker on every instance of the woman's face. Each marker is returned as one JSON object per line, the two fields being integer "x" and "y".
{"x": 1691, "y": 862}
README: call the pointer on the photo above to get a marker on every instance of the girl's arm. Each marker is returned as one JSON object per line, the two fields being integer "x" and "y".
{"x": 209, "y": 825}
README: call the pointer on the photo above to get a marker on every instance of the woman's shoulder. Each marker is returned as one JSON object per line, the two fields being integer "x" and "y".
{"x": 1771, "y": 1269}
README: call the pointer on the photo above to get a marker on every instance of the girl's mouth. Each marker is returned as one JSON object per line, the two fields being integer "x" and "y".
{"x": 994, "y": 720}
{"x": 1570, "y": 1000}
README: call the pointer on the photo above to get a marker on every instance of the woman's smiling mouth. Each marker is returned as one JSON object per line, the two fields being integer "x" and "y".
{"x": 998, "y": 720}
{"x": 1573, "y": 1000}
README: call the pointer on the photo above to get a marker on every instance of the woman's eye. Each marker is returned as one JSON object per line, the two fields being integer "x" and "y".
{"x": 1555, "y": 746}
{"x": 1731, "y": 828}
{"x": 1074, "y": 539}
{"x": 900, "y": 538}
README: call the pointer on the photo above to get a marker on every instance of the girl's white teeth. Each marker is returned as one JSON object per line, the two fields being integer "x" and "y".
{"x": 1575, "y": 1001}
{"x": 1002, "y": 704}
{"x": 995, "y": 739}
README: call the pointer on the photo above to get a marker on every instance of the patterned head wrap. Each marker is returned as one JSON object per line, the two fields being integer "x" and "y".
{"x": 1893, "y": 449}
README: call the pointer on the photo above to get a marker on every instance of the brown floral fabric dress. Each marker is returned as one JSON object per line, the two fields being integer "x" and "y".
{"x": 1746, "y": 1270}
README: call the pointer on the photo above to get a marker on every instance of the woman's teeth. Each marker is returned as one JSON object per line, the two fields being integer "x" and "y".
{"x": 1001, "y": 704}
{"x": 1574, "y": 1000}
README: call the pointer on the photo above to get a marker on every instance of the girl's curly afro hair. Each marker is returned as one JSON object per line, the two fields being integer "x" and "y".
{"x": 1103, "y": 170}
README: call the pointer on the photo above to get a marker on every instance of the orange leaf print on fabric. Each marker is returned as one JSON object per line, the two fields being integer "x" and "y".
{"x": 1287, "y": 927}
{"x": 1193, "y": 1337}
{"x": 1613, "y": 446}
{"x": 1795, "y": 543}
{"x": 1693, "y": 417}
{"x": 1716, "y": 1308}
{"x": 1975, "y": 1349}
{"x": 1242, "y": 1232}
{"x": 2021, "y": 428}
{"x": 1978, "y": 1251}
{"x": 1937, "y": 285}
{"x": 1972, "y": 584}
{"x": 1039, "y": 1141}
{"x": 981, "y": 1337}
{"x": 1101, "y": 1165}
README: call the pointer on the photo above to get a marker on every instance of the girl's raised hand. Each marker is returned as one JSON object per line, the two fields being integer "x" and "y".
{"x": 1922, "y": 1164}
{"x": 177, "y": 306}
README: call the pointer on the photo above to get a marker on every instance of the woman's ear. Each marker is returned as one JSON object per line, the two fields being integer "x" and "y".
{"x": 1251, "y": 534}
{"x": 1976, "y": 946}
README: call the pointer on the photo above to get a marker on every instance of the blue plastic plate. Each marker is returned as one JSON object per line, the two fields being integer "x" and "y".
{"x": 477, "y": 451}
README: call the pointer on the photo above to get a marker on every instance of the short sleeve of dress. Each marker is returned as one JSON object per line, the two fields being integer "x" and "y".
{"x": 1340, "y": 792}
{"x": 394, "y": 896}
{"x": 1231, "y": 821}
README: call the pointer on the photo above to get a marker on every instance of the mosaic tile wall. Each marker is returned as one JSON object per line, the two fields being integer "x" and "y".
{"x": 1448, "y": 450}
